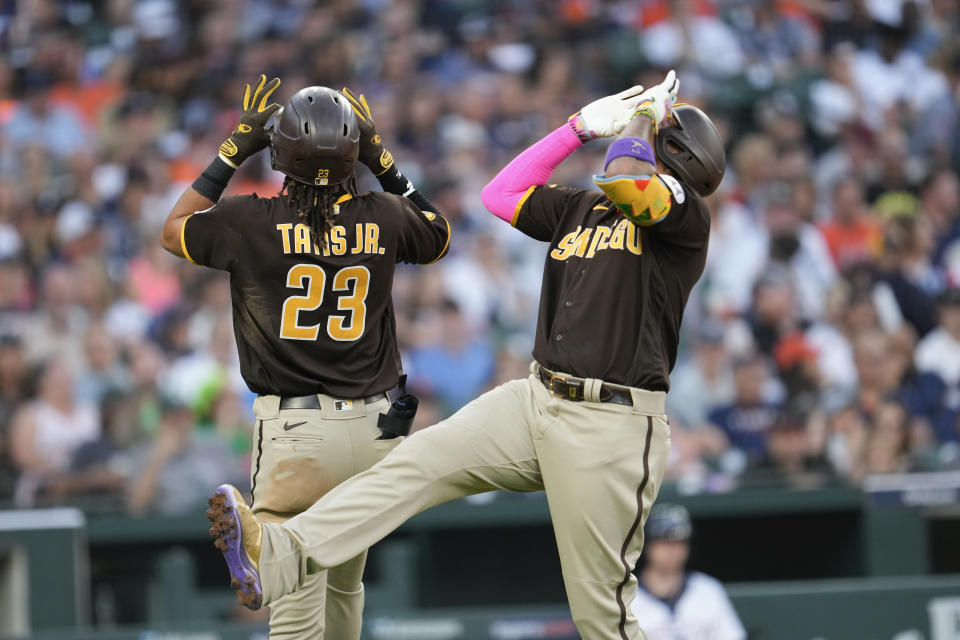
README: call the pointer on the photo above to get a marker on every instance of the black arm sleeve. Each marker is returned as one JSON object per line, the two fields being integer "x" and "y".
{"x": 392, "y": 181}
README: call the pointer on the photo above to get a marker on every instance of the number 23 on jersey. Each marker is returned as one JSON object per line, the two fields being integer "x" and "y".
{"x": 311, "y": 277}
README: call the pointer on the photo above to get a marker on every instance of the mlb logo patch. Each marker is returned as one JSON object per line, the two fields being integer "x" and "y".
{"x": 342, "y": 405}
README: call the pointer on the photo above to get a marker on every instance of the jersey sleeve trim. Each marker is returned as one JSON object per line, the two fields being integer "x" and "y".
{"x": 446, "y": 244}
{"x": 526, "y": 195}
{"x": 183, "y": 239}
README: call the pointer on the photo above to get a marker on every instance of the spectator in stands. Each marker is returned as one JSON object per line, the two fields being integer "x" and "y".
{"x": 795, "y": 447}
{"x": 96, "y": 472}
{"x": 847, "y": 311}
{"x": 835, "y": 101}
{"x": 883, "y": 363}
{"x": 738, "y": 253}
{"x": 747, "y": 421}
{"x": 754, "y": 160}
{"x": 892, "y": 170}
{"x": 147, "y": 363}
{"x": 47, "y": 431}
{"x": 37, "y": 120}
{"x": 940, "y": 203}
{"x": 672, "y": 601}
{"x": 173, "y": 473}
{"x": 231, "y": 425}
{"x": 846, "y": 441}
{"x": 888, "y": 445}
{"x": 797, "y": 367}
{"x": 454, "y": 363}
{"x": 774, "y": 309}
{"x": 936, "y": 392}
{"x": 852, "y": 235}
{"x": 670, "y": 30}
{"x": 703, "y": 382}
{"x": 911, "y": 279}
{"x": 57, "y": 327}
{"x": 14, "y": 372}
{"x": 777, "y": 38}
{"x": 800, "y": 248}
{"x": 105, "y": 374}
{"x": 13, "y": 387}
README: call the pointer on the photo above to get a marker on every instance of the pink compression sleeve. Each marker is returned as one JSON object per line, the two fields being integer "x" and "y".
{"x": 531, "y": 168}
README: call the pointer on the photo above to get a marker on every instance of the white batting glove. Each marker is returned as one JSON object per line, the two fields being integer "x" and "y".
{"x": 657, "y": 101}
{"x": 607, "y": 116}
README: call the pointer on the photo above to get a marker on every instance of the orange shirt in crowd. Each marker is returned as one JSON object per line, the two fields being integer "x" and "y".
{"x": 852, "y": 243}
{"x": 90, "y": 100}
{"x": 656, "y": 11}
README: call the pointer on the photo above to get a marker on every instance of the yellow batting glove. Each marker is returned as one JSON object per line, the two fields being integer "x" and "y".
{"x": 372, "y": 153}
{"x": 249, "y": 137}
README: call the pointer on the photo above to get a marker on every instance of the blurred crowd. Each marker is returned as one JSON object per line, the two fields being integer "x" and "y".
{"x": 822, "y": 344}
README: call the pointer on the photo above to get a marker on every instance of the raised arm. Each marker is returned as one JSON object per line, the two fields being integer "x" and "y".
{"x": 532, "y": 168}
{"x": 248, "y": 138}
{"x": 630, "y": 178}
{"x": 379, "y": 160}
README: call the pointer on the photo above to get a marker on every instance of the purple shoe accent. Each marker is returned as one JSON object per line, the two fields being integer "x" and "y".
{"x": 227, "y": 534}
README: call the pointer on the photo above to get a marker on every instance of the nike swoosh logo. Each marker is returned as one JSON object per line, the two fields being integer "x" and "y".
{"x": 287, "y": 426}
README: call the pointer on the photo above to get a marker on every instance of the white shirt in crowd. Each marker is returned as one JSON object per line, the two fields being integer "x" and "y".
{"x": 939, "y": 353}
{"x": 702, "y": 612}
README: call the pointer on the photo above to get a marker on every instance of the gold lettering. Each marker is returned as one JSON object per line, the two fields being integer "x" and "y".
{"x": 635, "y": 239}
{"x": 599, "y": 241}
{"x": 604, "y": 244}
{"x": 582, "y": 241}
{"x": 616, "y": 241}
{"x": 284, "y": 230}
{"x": 302, "y": 241}
{"x": 359, "y": 234}
{"x": 372, "y": 244}
{"x": 337, "y": 240}
{"x": 565, "y": 246}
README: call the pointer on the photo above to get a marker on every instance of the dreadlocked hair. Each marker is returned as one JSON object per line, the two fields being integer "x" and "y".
{"x": 315, "y": 205}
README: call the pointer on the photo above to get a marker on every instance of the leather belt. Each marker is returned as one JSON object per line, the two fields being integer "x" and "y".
{"x": 313, "y": 401}
{"x": 570, "y": 388}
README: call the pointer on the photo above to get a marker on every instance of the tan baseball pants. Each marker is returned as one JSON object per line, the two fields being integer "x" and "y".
{"x": 300, "y": 455}
{"x": 600, "y": 463}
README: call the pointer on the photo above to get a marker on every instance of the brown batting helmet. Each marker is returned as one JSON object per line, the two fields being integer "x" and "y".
{"x": 315, "y": 138}
{"x": 692, "y": 149}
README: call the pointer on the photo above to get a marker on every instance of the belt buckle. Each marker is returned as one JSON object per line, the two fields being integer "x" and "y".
{"x": 554, "y": 392}
{"x": 571, "y": 390}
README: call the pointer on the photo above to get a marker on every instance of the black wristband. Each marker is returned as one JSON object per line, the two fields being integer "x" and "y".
{"x": 213, "y": 180}
{"x": 392, "y": 181}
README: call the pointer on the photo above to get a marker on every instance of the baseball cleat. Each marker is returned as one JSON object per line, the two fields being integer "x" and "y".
{"x": 237, "y": 534}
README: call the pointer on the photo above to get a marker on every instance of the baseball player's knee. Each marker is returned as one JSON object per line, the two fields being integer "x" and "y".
{"x": 422, "y": 456}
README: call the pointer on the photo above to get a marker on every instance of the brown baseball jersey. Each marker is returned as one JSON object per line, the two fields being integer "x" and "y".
{"x": 613, "y": 292}
{"x": 310, "y": 319}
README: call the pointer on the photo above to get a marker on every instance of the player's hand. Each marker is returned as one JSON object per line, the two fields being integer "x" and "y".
{"x": 607, "y": 116}
{"x": 372, "y": 153}
{"x": 657, "y": 102}
{"x": 250, "y": 137}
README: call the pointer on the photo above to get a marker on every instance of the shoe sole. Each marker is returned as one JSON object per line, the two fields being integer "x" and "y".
{"x": 227, "y": 536}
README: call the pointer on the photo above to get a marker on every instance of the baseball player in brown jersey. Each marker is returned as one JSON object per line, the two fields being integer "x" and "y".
{"x": 311, "y": 273}
{"x": 588, "y": 424}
